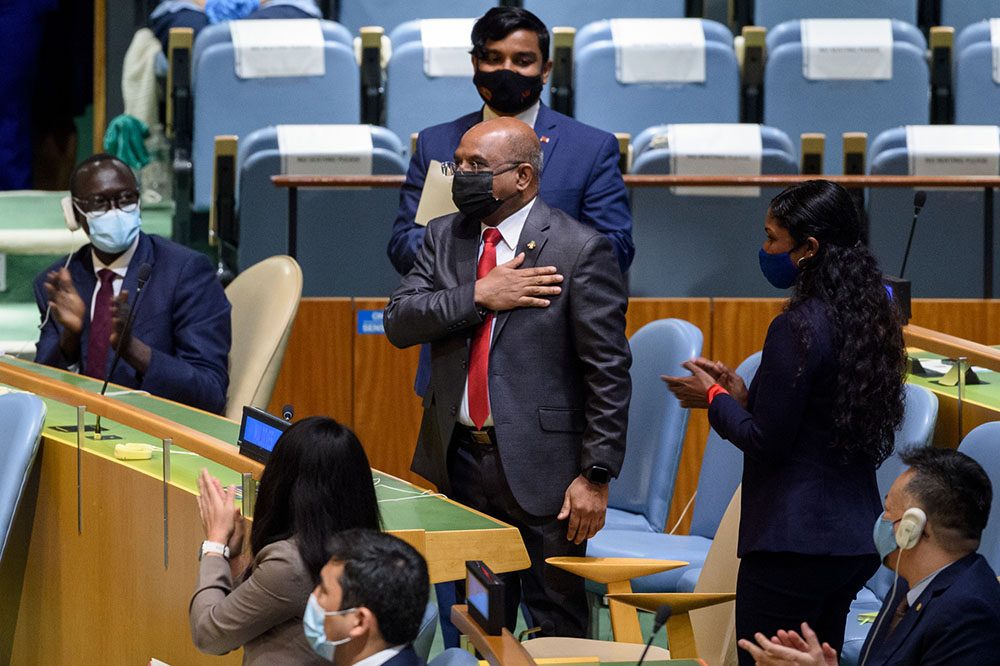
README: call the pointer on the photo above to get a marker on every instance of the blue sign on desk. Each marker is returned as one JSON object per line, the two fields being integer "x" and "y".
{"x": 370, "y": 322}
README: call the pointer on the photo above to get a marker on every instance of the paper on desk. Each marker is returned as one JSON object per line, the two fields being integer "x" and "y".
{"x": 938, "y": 365}
{"x": 435, "y": 198}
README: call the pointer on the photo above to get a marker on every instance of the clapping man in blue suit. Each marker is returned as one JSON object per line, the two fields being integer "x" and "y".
{"x": 580, "y": 175}
{"x": 946, "y": 604}
{"x": 179, "y": 347}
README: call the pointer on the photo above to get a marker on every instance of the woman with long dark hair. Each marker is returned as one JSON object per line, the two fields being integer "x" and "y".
{"x": 317, "y": 482}
{"x": 819, "y": 417}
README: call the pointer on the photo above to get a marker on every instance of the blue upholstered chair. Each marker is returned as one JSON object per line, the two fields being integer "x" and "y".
{"x": 21, "y": 418}
{"x": 414, "y": 100}
{"x": 917, "y": 430}
{"x": 946, "y": 257}
{"x": 678, "y": 231}
{"x": 341, "y": 233}
{"x": 720, "y": 475}
{"x": 769, "y": 13}
{"x": 226, "y": 104}
{"x": 425, "y": 635}
{"x": 454, "y": 657}
{"x": 579, "y": 13}
{"x": 983, "y": 444}
{"x": 355, "y": 14}
{"x": 976, "y": 93}
{"x": 601, "y": 100}
{"x": 797, "y": 105}
{"x": 959, "y": 14}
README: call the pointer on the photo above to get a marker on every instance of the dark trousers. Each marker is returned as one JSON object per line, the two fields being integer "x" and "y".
{"x": 783, "y": 590}
{"x": 554, "y": 598}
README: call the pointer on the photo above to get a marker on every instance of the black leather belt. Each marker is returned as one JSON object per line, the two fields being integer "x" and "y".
{"x": 484, "y": 438}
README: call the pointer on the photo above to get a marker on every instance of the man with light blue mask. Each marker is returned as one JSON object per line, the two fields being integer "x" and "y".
{"x": 944, "y": 607}
{"x": 370, "y": 601}
{"x": 179, "y": 345}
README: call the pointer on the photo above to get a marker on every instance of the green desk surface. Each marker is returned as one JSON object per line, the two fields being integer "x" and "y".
{"x": 403, "y": 505}
{"x": 986, "y": 394}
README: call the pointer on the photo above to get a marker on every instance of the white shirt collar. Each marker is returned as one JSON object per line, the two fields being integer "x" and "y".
{"x": 380, "y": 657}
{"x": 528, "y": 116}
{"x": 120, "y": 265}
{"x": 510, "y": 228}
{"x": 918, "y": 589}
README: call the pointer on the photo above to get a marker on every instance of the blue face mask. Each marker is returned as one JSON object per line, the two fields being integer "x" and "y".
{"x": 885, "y": 536}
{"x": 778, "y": 269}
{"x": 114, "y": 231}
{"x": 313, "y": 623}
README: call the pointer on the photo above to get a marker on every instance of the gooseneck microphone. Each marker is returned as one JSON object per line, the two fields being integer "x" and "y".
{"x": 662, "y": 615}
{"x": 144, "y": 272}
{"x": 287, "y": 412}
{"x": 919, "y": 199}
{"x": 547, "y": 627}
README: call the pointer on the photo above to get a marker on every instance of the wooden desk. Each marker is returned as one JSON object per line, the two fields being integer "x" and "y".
{"x": 107, "y": 579}
{"x": 502, "y": 650}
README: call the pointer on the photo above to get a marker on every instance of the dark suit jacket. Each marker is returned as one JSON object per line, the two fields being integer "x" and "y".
{"x": 558, "y": 376}
{"x": 954, "y": 622}
{"x": 580, "y": 177}
{"x": 798, "y": 495}
{"x": 184, "y": 317}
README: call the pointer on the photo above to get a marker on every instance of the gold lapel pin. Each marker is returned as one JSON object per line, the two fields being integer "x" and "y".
{"x": 531, "y": 245}
{"x": 919, "y": 606}
{"x": 543, "y": 139}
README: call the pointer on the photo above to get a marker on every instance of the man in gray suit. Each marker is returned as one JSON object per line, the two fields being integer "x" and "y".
{"x": 527, "y": 407}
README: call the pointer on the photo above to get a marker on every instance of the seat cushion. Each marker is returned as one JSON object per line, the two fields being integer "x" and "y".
{"x": 616, "y": 519}
{"x": 855, "y": 633}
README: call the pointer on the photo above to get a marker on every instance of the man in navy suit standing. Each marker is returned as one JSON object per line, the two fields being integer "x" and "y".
{"x": 179, "y": 347}
{"x": 580, "y": 175}
{"x": 945, "y": 608}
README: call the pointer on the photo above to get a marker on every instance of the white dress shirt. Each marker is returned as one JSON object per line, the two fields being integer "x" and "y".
{"x": 119, "y": 267}
{"x": 380, "y": 657}
{"x": 529, "y": 115}
{"x": 510, "y": 228}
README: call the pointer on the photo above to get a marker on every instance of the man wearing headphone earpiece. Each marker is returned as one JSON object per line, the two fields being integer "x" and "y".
{"x": 944, "y": 607}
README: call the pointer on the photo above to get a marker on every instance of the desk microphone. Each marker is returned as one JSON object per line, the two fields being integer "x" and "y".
{"x": 144, "y": 272}
{"x": 545, "y": 628}
{"x": 919, "y": 199}
{"x": 287, "y": 412}
{"x": 662, "y": 615}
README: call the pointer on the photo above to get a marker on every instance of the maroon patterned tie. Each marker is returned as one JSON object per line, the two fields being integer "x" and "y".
{"x": 100, "y": 326}
{"x": 479, "y": 355}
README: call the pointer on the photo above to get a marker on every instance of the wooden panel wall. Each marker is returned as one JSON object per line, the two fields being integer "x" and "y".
{"x": 364, "y": 381}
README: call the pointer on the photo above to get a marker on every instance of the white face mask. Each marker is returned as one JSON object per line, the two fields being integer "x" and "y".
{"x": 114, "y": 231}
{"x": 314, "y": 621}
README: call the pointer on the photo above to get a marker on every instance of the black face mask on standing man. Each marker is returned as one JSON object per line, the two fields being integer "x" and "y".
{"x": 472, "y": 192}
{"x": 506, "y": 91}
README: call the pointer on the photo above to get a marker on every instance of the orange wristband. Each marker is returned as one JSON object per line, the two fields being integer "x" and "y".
{"x": 713, "y": 391}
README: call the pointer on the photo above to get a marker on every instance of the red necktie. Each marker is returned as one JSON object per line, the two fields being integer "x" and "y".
{"x": 479, "y": 356}
{"x": 100, "y": 326}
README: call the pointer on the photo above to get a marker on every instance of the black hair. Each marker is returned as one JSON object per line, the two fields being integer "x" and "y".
{"x": 954, "y": 491}
{"x": 499, "y": 22}
{"x": 387, "y": 576}
{"x": 316, "y": 483}
{"x": 94, "y": 160}
{"x": 867, "y": 327}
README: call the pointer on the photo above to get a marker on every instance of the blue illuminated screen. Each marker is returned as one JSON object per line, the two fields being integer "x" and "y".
{"x": 476, "y": 595}
{"x": 260, "y": 434}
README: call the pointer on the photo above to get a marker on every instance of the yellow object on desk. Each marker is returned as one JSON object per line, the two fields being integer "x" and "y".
{"x": 133, "y": 451}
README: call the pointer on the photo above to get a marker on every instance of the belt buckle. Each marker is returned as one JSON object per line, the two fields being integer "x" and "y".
{"x": 481, "y": 437}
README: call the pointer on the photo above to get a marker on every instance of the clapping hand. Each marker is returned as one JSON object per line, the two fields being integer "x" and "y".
{"x": 222, "y": 521}
{"x": 691, "y": 390}
{"x": 788, "y": 647}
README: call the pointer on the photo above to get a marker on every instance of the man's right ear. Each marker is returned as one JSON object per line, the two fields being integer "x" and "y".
{"x": 67, "y": 209}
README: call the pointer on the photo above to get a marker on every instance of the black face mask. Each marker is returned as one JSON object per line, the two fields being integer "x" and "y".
{"x": 472, "y": 193}
{"x": 507, "y": 91}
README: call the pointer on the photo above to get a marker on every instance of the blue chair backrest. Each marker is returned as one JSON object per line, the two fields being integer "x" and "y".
{"x": 601, "y": 100}
{"x": 579, "y": 13}
{"x": 721, "y": 470}
{"x": 771, "y": 138}
{"x": 21, "y": 417}
{"x": 656, "y": 421}
{"x": 227, "y": 104}
{"x": 600, "y": 31}
{"x": 769, "y": 13}
{"x": 983, "y": 444}
{"x": 977, "y": 95}
{"x": 946, "y": 257}
{"x": 798, "y": 105}
{"x": 790, "y": 31}
{"x": 218, "y": 33}
{"x": 413, "y": 100}
{"x": 676, "y": 232}
{"x": 342, "y": 233}
{"x": 978, "y": 31}
{"x": 960, "y": 14}
{"x": 355, "y": 14}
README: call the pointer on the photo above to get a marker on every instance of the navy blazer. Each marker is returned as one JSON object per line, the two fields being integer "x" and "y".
{"x": 955, "y": 621}
{"x": 184, "y": 317}
{"x": 580, "y": 177}
{"x": 559, "y": 382}
{"x": 798, "y": 494}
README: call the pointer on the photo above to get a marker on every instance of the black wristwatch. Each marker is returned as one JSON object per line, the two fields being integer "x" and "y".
{"x": 597, "y": 474}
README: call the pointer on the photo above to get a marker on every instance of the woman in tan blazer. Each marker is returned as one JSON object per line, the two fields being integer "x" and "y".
{"x": 316, "y": 483}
